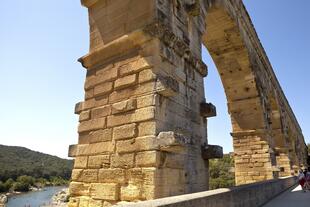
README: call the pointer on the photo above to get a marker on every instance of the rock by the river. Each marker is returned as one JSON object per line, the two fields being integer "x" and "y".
{"x": 3, "y": 200}
{"x": 61, "y": 198}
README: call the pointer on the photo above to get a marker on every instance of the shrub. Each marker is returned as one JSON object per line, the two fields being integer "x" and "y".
{"x": 22, "y": 187}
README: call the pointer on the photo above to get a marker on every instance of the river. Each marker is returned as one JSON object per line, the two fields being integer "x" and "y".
{"x": 34, "y": 199}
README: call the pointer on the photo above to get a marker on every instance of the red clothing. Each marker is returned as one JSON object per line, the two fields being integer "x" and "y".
{"x": 302, "y": 182}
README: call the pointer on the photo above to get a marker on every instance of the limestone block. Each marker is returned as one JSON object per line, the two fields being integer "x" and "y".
{"x": 89, "y": 94}
{"x": 130, "y": 192}
{"x": 105, "y": 74}
{"x": 80, "y": 162}
{"x": 173, "y": 160}
{"x": 149, "y": 159}
{"x": 73, "y": 149}
{"x": 112, "y": 176}
{"x": 98, "y": 161}
{"x": 92, "y": 124}
{"x": 119, "y": 119}
{"x": 146, "y": 75}
{"x": 103, "y": 88}
{"x": 88, "y": 3}
{"x": 148, "y": 100}
{"x": 125, "y": 81}
{"x": 104, "y": 191}
{"x": 94, "y": 203}
{"x": 137, "y": 144}
{"x": 130, "y": 92}
{"x": 96, "y": 148}
{"x": 134, "y": 67}
{"x": 88, "y": 176}
{"x": 125, "y": 131}
{"x": 207, "y": 110}
{"x": 100, "y": 112}
{"x": 147, "y": 128}
{"x": 211, "y": 151}
{"x": 144, "y": 114}
{"x": 122, "y": 160}
{"x": 88, "y": 104}
{"x": 79, "y": 189}
{"x": 84, "y": 116}
{"x": 101, "y": 135}
{"x": 172, "y": 142}
{"x": 76, "y": 173}
{"x": 124, "y": 106}
{"x": 167, "y": 86}
{"x": 78, "y": 107}
{"x": 84, "y": 201}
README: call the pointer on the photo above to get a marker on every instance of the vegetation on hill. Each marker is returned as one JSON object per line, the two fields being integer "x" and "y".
{"x": 17, "y": 161}
{"x": 221, "y": 172}
{"x": 22, "y": 169}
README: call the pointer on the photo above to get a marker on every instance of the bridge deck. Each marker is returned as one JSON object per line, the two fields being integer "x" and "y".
{"x": 293, "y": 197}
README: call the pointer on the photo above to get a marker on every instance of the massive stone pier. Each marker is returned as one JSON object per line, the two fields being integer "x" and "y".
{"x": 143, "y": 123}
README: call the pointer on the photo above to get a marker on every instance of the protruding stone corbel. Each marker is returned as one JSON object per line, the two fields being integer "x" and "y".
{"x": 78, "y": 108}
{"x": 72, "y": 150}
{"x": 167, "y": 86}
{"x": 211, "y": 151}
{"x": 172, "y": 142}
{"x": 207, "y": 110}
{"x": 88, "y": 3}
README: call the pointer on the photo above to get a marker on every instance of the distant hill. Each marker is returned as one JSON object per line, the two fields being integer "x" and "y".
{"x": 16, "y": 161}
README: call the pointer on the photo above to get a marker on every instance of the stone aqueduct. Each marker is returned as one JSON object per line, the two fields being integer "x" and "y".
{"x": 142, "y": 131}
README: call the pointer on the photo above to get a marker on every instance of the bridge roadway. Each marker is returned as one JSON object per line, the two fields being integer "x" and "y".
{"x": 293, "y": 197}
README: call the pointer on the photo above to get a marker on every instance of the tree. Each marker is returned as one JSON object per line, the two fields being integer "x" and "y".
{"x": 221, "y": 174}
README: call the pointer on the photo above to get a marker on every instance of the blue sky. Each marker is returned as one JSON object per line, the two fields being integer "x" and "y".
{"x": 41, "y": 80}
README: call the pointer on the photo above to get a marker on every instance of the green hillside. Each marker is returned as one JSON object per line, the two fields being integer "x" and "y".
{"x": 17, "y": 161}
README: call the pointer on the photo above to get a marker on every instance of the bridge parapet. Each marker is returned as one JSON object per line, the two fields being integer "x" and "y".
{"x": 254, "y": 195}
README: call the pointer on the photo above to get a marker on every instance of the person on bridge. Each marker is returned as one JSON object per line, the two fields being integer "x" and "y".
{"x": 302, "y": 180}
{"x": 307, "y": 179}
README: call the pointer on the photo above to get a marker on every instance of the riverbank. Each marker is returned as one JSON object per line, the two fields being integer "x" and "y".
{"x": 47, "y": 197}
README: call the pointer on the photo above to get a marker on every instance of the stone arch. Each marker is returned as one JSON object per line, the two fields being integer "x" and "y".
{"x": 142, "y": 131}
{"x": 232, "y": 51}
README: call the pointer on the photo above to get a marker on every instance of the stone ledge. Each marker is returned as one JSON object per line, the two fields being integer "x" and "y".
{"x": 211, "y": 151}
{"x": 253, "y": 195}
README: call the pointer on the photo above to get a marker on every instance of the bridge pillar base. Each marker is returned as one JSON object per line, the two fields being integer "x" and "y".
{"x": 254, "y": 159}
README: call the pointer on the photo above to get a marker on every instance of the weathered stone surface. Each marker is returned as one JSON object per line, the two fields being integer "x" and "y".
{"x": 112, "y": 175}
{"x": 100, "y": 135}
{"x": 211, "y": 151}
{"x": 98, "y": 161}
{"x": 142, "y": 123}
{"x": 72, "y": 152}
{"x": 80, "y": 162}
{"x": 104, "y": 191}
{"x": 93, "y": 149}
{"x": 122, "y": 160}
{"x": 125, "y": 131}
{"x": 100, "y": 112}
{"x": 125, "y": 81}
{"x": 84, "y": 116}
{"x": 207, "y": 110}
{"x": 172, "y": 142}
{"x": 124, "y": 106}
{"x": 103, "y": 88}
{"x": 149, "y": 159}
{"x": 130, "y": 192}
{"x": 92, "y": 124}
{"x": 167, "y": 86}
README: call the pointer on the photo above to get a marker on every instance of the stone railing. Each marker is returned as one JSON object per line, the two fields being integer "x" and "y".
{"x": 251, "y": 195}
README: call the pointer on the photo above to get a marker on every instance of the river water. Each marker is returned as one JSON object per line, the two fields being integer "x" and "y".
{"x": 34, "y": 199}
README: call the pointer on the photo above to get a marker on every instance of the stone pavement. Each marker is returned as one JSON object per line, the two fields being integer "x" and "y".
{"x": 293, "y": 197}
